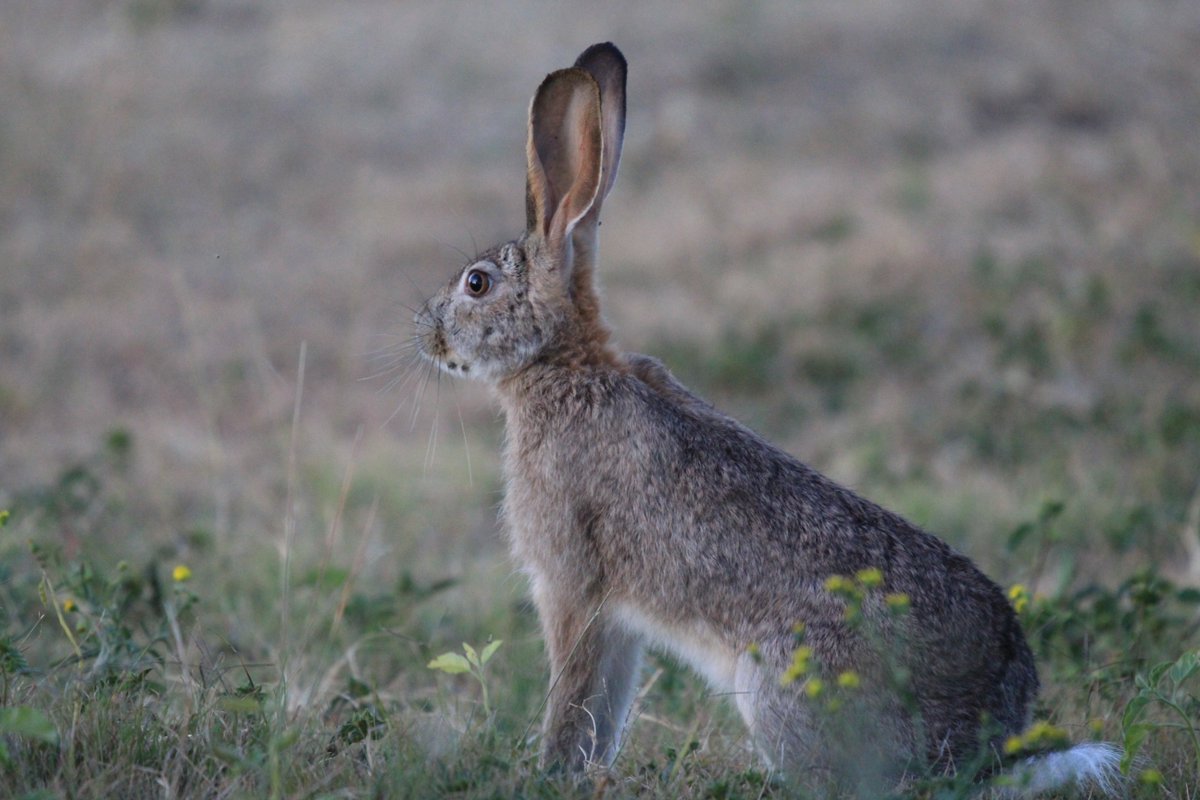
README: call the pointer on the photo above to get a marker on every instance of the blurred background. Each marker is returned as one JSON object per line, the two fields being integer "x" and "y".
{"x": 946, "y": 251}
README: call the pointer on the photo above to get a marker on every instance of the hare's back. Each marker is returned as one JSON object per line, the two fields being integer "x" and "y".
{"x": 722, "y": 508}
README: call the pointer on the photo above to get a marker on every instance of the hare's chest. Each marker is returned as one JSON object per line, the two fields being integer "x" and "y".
{"x": 567, "y": 500}
{"x": 539, "y": 520}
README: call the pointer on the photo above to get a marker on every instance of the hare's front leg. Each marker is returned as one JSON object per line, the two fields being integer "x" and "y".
{"x": 593, "y": 668}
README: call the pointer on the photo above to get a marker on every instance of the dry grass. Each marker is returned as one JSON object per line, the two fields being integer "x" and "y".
{"x": 947, "y": 252}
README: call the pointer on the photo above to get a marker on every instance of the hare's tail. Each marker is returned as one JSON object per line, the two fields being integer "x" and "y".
{"x": 1092, "y": 765}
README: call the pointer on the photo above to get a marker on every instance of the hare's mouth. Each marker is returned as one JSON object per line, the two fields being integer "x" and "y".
{"x": 445, "y": 358}
{"x": 455, "y": 366}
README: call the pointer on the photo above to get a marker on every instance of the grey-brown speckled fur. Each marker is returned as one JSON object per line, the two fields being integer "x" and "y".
{"x": 643, "y": 515}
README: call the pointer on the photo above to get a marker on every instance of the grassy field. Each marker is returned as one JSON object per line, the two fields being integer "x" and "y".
{"x": 946, "y": 252}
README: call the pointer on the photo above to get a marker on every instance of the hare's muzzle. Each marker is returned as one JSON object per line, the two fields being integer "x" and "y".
{"x": 430, "y": 333}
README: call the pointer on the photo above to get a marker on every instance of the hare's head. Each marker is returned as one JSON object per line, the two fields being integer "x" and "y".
{"x": 533, "y": 298}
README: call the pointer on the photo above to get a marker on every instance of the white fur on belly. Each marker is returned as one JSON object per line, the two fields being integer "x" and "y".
{"x": 695, "y": 643}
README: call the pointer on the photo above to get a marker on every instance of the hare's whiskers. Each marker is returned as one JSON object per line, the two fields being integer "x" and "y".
{"x": 462, "y": 426}
{"x": 404, "y": 378}
{"x": 430, "y": 369}
{"x": 431, "y": 446}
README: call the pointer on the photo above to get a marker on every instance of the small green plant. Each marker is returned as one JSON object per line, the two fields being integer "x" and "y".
{"x": 18, "y": 720}
{"x": 473, "y": 663}
{"x": 123, "y": 624}
{"x": 26, "y": 722}
{"x": 1163, "y": 686}
{"x": 12, "y": 663}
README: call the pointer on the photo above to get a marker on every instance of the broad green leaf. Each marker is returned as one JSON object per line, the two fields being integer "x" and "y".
{"x": 1189, "y": 596}
{"x": 1050, "y": 510}
{"x": 1157, "y": 672}
{"x": 1133, "y": 710}
{"x": 239, "y": 705}
{"x": 1020, "y": 534}
{"x": 1185, "y": 667}
{"x": 356, "y": 688}
{"x": 26, "y": 721}
{"x": 472, "y": 656}
{"x": 451, "y": 663}
{"x": 1133, "y": 742}
{"x": 490, "y": 650}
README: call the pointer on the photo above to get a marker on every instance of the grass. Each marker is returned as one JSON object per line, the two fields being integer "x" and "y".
{"x": 329, "y": 639}
{"x": 886, "y": 237}
{"x": 299, "y": 665}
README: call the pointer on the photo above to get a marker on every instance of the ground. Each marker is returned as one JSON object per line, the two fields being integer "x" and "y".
{"x": 946, "y": 252}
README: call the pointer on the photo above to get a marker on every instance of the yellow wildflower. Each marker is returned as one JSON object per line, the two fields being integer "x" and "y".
{"x": 1019, "y": 595}
{"x": 838, "y": 583}
{"x": 870, "y": 577}
{"x": 181, "y": 573}
{"x": 848, "y": 680}
{"x": 897, "y": 601}
{"x": 798, "y": 667}
{"x": 814, "y": 687}
{"x": 1043, "y": 734}
{"x": 68, "y": 605}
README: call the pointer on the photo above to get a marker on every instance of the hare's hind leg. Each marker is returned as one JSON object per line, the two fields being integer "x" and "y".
{"x": 593, "y": 669}
{"x": 781, "y": 727}
{"x": 848, "y": 740}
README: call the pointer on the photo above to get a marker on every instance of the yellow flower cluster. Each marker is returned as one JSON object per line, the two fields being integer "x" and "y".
{"x": 1040, "y": 736}
{"x": 870, "y": 577}
{"x": 839, "y": 584}
{"x": 1019, "y": 595}
{"x": 848, "y": 680}
{"x": 799, "y": 666}
{"x": 181, "y": 573}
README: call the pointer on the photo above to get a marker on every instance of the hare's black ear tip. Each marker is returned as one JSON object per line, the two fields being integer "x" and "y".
{"x": 601, "y": 50}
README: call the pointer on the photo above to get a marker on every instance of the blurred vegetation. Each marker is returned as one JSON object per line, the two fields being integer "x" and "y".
{"x": 122, "y": 676}
{"x": 948, "y": 255}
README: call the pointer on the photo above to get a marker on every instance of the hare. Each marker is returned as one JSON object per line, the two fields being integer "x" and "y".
{"x": 643, "y": 515}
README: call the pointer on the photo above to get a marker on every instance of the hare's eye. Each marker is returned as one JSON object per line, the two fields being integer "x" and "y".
{"x": 478, "y": 283}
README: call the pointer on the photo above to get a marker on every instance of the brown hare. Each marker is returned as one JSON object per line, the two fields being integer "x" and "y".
{"x": 642, "y": 515}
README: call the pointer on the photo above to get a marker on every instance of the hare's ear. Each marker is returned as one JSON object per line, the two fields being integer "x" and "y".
{"x": 607, "y": 67}
{"x": 565, "y": 155}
